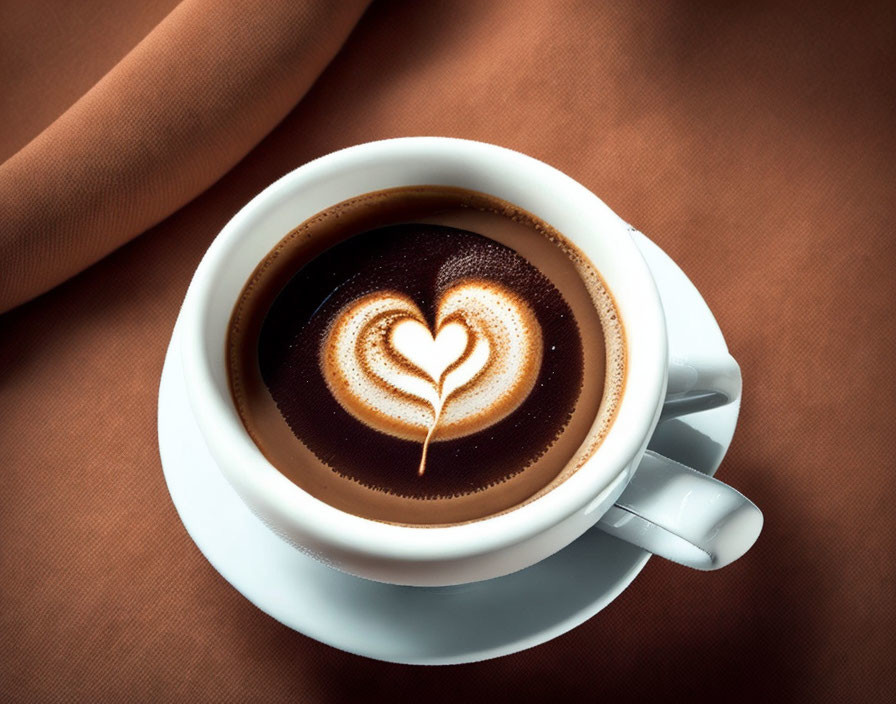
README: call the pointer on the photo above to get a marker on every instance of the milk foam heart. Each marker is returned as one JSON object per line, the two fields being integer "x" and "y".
{"x": 433, "y": 355}
{"x": 386, "y": 367}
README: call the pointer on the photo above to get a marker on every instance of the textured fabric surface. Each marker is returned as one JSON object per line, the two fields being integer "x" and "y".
{"x": 753, "y": 143}
{"x": 181, "y": 108}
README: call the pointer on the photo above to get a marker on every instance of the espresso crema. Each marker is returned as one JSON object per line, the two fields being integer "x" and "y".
{"x": 426, "y": 356}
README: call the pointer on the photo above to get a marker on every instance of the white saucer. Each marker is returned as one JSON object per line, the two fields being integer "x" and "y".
{"x": 430, "y": 625}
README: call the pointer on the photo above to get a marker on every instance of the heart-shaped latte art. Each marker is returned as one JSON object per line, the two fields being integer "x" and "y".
{"x": 386, "y": 367}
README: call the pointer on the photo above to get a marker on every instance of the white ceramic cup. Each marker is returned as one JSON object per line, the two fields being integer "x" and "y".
{"x": 667, "y": 508}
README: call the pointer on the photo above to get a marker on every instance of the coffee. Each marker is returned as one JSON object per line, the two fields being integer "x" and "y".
{"x": 426, "y": 356}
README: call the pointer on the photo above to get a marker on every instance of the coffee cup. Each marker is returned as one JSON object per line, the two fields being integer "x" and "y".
{"x": 664, "y": 507}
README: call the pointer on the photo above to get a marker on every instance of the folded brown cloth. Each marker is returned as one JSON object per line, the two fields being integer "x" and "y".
{"x": 179, "y": 110}
{"x": 753, "y": 142}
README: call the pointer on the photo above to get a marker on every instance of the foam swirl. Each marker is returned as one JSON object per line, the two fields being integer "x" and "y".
{"x": 385, "y": 366}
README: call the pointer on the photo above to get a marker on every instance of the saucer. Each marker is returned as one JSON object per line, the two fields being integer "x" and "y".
{"x": 430, "y": 625}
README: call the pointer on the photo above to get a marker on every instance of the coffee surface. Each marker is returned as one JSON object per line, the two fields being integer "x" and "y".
{"x": 401, "y": 357}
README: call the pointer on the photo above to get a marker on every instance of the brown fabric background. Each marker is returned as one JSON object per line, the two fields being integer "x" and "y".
{"x": 754, "y": 143}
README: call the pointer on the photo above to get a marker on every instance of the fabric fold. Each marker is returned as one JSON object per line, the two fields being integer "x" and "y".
{"x": 187, "y": 103}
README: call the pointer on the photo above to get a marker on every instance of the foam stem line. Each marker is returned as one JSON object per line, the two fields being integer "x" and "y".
{"x": 422, "y": 468}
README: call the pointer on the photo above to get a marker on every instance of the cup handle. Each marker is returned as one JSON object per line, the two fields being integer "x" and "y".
{"x": 683, "y": 515}
{"x": 677, "y": 512}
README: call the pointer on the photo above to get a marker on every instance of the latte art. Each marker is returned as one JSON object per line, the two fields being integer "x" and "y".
{"x": 385, "y": 366}
{"x": 425, "y": 356}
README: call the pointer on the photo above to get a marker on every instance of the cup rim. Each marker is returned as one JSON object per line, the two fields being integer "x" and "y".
{"x": 330, "y": 532}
